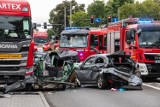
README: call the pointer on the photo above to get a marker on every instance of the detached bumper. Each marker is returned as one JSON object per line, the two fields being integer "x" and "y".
{"x": 21, "y": 84}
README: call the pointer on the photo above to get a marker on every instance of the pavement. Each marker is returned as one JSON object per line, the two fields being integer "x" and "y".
{"x": 23, "y": 99}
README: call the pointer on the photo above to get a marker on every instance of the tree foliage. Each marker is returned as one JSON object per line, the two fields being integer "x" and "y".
{"x": 96, "y": 9}
{"x": 80, "y": 18}
{"x": 57, "y": 14}
{"x": 148, "y": 8}
{"x": 113, "y": 6}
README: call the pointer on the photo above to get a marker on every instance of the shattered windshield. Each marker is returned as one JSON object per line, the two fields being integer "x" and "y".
{"x": 73, "y": 40}
{"x": 149, "y": 39}
{"x": 13, "y": 28}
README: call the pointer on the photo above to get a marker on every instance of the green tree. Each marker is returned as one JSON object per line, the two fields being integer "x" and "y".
{"x": 113, "y": 6}
{"x": 57, "y": 14}
{"x": 96, "y": 9}
{"x": 80, "y": 18}
{"x": 148, "y": 8}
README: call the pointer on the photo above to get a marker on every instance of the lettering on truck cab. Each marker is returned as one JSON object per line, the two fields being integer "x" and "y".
{"x": 10, "y": 6}
{"x": 12, "y": 46}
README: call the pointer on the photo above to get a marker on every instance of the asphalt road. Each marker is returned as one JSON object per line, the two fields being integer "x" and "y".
{"x": 88, "y": 96}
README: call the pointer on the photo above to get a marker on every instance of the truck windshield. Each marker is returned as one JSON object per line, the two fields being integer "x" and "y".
{"x": 14, "y": 28}
{"x": 74, "y": 40}
{"x": 149, "y": 39}
{"x": 40, "y": 40}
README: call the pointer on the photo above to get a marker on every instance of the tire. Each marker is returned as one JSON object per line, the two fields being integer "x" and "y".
{"x": 101, "y": 82}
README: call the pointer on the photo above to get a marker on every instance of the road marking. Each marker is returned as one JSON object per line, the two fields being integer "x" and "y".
{"x": 151, "y": 86}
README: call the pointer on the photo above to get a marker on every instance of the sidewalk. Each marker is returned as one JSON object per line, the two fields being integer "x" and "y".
{"x": 24, "y": 100}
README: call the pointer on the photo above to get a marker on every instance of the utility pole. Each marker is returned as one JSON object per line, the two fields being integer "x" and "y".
{"x": 64, "y": 17}
{"x": 71, "y": 13}
{"x": 118, "y": 13}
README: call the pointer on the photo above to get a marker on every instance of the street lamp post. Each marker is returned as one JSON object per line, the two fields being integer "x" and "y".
{"x": 71, "y": 13}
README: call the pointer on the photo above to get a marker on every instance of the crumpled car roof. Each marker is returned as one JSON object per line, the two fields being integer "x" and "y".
{"x": 119, "y": 53}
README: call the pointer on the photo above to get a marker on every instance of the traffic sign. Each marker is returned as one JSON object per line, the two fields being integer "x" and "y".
{"x": 98, "y": 20}
{"x": 114, "y": 19}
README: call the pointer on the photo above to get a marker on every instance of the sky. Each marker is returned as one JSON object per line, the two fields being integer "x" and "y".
{"x": 41, "y": 8}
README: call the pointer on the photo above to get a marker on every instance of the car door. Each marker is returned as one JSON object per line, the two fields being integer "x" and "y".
{"x": 100, "y": 61}
{"x": 85, "y": 72}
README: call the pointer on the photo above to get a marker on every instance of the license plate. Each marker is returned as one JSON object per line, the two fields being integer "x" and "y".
{"x": 10, "y": 56}
{"x": 157, "y": 61}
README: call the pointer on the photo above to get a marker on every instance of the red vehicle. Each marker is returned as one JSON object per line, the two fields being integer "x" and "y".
{"x": 85, "y": 41}
{"x": 16, "y": 44}
{"x": 41, "y": 40}
{"x": 140, "y": 38}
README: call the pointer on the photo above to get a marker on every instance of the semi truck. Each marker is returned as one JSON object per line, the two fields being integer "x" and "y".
{"x": 16, "y": 44}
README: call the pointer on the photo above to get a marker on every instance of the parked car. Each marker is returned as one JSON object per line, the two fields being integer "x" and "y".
{"x": 110, "y": 70}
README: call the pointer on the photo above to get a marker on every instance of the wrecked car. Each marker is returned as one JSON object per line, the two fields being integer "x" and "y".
{"x": 51, "y": 70}
{"x": 55, "y": 69}
{"x": 110, "y": 70}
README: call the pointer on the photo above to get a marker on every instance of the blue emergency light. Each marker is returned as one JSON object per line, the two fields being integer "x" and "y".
{"x": 75, "y": 28}
{"x": 145, "y": 20}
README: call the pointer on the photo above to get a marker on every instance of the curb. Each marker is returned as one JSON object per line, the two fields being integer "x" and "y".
{"x": 44, "y": 100}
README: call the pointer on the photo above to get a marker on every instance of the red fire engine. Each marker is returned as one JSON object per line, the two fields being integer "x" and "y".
{"x": 139, "y": 38}
{"x": 16, "y": 45}
{"x": 41, "y": 40}
{"x": 83, "y": 40}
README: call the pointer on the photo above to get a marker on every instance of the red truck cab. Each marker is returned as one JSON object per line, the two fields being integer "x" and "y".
{"x": 41, "y": 40}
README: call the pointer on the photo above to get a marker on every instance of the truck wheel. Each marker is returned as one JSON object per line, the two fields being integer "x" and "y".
{"x": 101, "y": 82}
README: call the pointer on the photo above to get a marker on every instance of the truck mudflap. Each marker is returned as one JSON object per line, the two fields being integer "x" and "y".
{"x": 21, "y": 84}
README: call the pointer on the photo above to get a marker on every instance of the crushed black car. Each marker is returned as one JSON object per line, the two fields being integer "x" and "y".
{"x": 110, "y": 70}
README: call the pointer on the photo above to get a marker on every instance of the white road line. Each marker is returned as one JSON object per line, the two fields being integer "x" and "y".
{"x": 151, "y": 86}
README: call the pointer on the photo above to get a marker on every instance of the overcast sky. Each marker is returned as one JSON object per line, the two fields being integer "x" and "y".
{"x": 41, "y": 8}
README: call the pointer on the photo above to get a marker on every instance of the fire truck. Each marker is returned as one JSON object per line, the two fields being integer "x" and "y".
{"x": 16, "y": 44}
{"x": 139, "y": 38}
{"x": 86, "y": 41}
{"x": 41, "y": 40}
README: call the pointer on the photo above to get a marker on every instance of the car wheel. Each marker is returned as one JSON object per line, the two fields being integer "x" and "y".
{"x": 101, "y": 82}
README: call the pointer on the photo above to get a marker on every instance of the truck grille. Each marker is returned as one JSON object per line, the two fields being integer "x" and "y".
{"x": 150, "y": 56}
{"x": 9, "y": 68}
{"x": 10, "y": 62}
{"x": 153, "y": 68}
{"x": 13, "y": 64}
